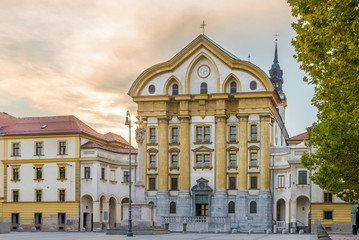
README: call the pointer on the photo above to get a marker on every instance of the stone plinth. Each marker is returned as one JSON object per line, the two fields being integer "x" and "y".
{"x": 142, "y": 215}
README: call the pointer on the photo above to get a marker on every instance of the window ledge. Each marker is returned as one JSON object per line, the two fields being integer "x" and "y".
{"x": 86, "y": 179}
{"x": 253, "y": 141}
{"x": 151, "y": 144}
{"x": 154, "y": 169}
{"x": 113, "y": 181}
{"x": 174, "y": 168}
{"x": 229, "y": 142}
{"x": 38, "y": 180}
{"x": 40, "y": 155}
{"x": 126, "y": 183}
{"x": 15, "y": 156}
{"x": 62, "y": 179}
{"x": 233, "y": 168}
{"x": 280, "y": 188}
{"x": 65, "y": 154}
{"x": 15, "y": 180}
{"x": 103, "y": 180}
{"x": 202, "y": 168}
{"x": 232, "y": 189}
{"x": 201, "y": 143}
{"x": 302, "y": 184}
{"x": 172, "y": 143}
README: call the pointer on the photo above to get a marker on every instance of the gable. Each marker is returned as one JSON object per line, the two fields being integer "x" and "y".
{"x": 183, "y": 70}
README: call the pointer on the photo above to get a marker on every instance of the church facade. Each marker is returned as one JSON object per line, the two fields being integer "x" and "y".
{"x": 211, "y": 120}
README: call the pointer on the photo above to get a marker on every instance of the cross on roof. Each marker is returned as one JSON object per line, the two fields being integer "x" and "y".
{"x": 276, "y": 36}
{"x": 202, "y": 26}
{"x": 249, "y": 57}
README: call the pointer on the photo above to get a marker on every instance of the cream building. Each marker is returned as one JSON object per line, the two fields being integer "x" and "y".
{"x": 211, "y": 120}
{"x": 298, "y": 202}
{"x": 42, "y": 159}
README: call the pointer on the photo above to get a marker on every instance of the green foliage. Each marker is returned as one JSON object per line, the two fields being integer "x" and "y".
{"x": 327, "y": 46}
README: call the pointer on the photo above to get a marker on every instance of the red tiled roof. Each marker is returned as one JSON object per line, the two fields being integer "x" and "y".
{"x": 112, "y": 137}
{"x": 299, "y": 137}
{"x": 109, "y": 148}
{"x": 13, "y": 126}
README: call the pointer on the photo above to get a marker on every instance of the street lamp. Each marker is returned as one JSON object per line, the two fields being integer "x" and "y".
{"x": 128, "y": 122}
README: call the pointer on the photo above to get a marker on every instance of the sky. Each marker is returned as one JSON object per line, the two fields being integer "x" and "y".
{"x": 80, "y": 57}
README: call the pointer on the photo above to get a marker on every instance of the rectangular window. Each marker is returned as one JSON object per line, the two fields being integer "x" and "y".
{"x": 62, "y": 172}
{"x": 103, "y": 171}
{"x": 328, "y": 215}
{"x": 254, "y": 158}
{"x": 61, "y": 218}
{"x": 198, "y": 134}
{"x": 174, "y": 161}
{"x": 87, "y": 172}
{"x": 38, "y": 172}
{"x": 62, "y": 147}
{"x": 38, "y": 218}
{"x": 206, "y": 161}
{"x": 62, "y": 195}
{"x": 38, "y": 146}
{"x": 302, "y": 177}
{"x": 232, "y": 133}
{"x": 16, "y": 149}
{"x": 174, "y": 135}
{"x": 253, "y": 132}
{"x": 254, "y": 182}
{"x": 14, "y": 218}
{"x": 15, "y": 174}
{"x": 232, "y": 182}
{"x": 281, "y": 183}
{"x": 203, "y": 134}
{"x": 126, "y": 176}
{"x": 232, "y": 160}
{"x": 38, "y": 195}
{"x": 199, "y": 161}
{"x": 152, "y": 183}
{"x": 152, "y": 161}
{"x": 15, "y": 195}
{"x": 174, "y": 183}
{"x": 152, "y": 135}
{"x": 328, "y": 197}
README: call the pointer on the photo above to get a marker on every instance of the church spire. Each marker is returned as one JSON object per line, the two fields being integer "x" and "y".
{"x": 275, "y": 72}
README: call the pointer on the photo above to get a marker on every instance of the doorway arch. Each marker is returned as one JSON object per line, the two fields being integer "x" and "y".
{"x": 281, "y": 210}
{"x": 302, "y": 213}
{"x": 87, "y": 212}
{"x": 112, "y": 212}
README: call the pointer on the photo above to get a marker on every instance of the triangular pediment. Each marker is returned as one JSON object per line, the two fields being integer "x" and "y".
{"x": 203, "y": 149}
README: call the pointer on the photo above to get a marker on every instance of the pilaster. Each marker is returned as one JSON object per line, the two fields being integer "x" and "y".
{"x": 265, "y": 152}
{"x": 163, "y": 154}
{"x": 184, "y": 154}
{"x": 221, "y": 153}
{"x": 243, "y": 151}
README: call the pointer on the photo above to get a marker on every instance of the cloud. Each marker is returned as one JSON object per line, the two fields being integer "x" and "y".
{"x": 81, "y": 57}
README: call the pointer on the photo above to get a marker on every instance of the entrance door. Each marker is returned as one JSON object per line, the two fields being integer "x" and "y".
{"x": 201, "y": 205}
{"x": 85, "y": 221}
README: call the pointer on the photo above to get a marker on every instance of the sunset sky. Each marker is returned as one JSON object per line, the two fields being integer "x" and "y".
{"x": 80, "y": 57}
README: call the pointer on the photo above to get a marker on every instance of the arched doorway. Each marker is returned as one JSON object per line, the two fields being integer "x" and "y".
{"x": 302, "y": 213}
{"x": 112, "y": 212}
{"x": 281, "y": 210}
{"x": 103, "y": 212}
{"x": 87, "y": 212}
{"x": 124, "y": 200}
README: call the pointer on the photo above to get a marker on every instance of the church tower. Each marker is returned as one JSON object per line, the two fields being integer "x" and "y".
{"x": 276, "y": 78}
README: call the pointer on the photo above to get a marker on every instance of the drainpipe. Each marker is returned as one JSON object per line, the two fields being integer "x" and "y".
{"x": 310, "y": 201}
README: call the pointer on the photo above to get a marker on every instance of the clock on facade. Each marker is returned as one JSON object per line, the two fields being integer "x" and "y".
{"x": 204, "y": 71}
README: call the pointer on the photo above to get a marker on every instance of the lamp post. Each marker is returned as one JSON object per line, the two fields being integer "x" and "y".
{"x": 128, "y": 122}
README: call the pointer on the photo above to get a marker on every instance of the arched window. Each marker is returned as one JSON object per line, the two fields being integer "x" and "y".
{"x": 233, "y": 87}
{"x": 172, "y": 207}
{"x": 231, "y": 207}
{"x": 253, "y": 207}
{"x": 175, "y": 89}
{"x": 204, "y": 88}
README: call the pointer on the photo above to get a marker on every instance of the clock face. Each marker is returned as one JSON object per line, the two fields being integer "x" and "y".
{"x": 204, "y": 71}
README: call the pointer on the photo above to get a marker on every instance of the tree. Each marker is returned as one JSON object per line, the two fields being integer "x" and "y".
{"x": 327, "y": 46}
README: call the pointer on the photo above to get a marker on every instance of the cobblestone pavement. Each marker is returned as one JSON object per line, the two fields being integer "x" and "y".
{"x": 172, "y": 236}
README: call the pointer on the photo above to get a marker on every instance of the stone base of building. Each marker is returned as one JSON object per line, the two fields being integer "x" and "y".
{"x": 141, "y": 215}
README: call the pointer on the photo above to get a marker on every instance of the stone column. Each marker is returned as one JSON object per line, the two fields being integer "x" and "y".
{"x": 242, "y": 194}
{"x": 265, "y": 197}
{"x": 287, "y": 214}
{"x": 264, "y": 152}
{"x": 162, "y": 193}
{"x": 221, "y": 173}
{"x": 139, "y": 186}
{"x": 144, "y": 155}
{"x": 184, "y": 199}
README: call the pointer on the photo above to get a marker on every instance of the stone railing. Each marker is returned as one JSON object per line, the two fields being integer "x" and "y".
{"x": 196, "y": 223}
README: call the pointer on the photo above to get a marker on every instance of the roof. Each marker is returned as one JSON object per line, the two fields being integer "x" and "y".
{"x": 12, "y": 126}
{"x": 90, "y": 145}
{"x": 221, "y": 48}
{"x": 113, "y": 137}
{"x": 299, "y": 137}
